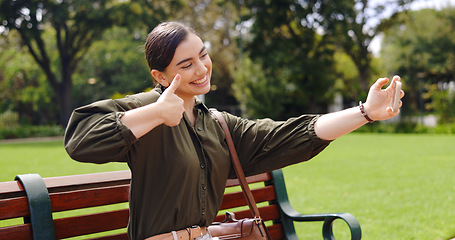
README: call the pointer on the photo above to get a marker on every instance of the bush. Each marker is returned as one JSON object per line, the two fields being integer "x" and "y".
{"x": 445, "y": 128}
{"x": 30, "y": 131}
{"x": 9, "y": 119}
{"x": 407, "y": 127}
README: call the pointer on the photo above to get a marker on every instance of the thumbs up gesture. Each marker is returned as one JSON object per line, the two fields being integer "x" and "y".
{"x": 171, "y": 104}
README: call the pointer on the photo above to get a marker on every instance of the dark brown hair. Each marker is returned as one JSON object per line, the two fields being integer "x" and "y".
{"x": 162, "y": 41}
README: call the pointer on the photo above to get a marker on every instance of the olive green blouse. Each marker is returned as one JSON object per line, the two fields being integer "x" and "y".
{"x": 179, "y": 173}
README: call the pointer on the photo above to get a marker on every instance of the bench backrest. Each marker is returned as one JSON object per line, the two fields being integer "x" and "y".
{"x": 70, "y": 193}
{"x": 88, "y": 191}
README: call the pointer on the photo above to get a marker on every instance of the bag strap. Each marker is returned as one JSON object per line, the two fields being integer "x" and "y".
{"x": 237, "y": 166}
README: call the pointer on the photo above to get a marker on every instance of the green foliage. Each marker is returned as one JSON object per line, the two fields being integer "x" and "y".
{"x": 9, "y": 119}
{"x": 420, "y": 47}
{"x": 448, "y": 128}
{"x": 113, "y": 64}
{"x": 295, "y": 59}
{"x": 258, "y": 95}
{"x": 347, "y": 81}
{"x": 401, "y": 127}
{"x": 442, "y": 102}
{"x": 23, "y": 86}
{"x": 354, "y": 24}
{"x": 295, "y": 43}
{"x": 74, "y": 25}
{"x": 30, "y": 131}
{"x": 408, "y": 128}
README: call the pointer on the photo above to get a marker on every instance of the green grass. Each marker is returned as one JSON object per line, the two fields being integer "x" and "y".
{"x": 48, "y": 158}
{"x": 398, "y": 186}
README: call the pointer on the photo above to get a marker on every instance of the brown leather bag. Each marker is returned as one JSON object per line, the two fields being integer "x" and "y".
{"x": 231, "y": 228}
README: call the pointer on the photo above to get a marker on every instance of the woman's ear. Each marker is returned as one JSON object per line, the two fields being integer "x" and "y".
{"x": 159, "y": 77}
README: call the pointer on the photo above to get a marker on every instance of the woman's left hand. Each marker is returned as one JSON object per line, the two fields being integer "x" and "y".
{"x": 378, "y": 105}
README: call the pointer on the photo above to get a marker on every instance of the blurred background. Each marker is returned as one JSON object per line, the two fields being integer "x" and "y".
{"x": 270, "y": 58}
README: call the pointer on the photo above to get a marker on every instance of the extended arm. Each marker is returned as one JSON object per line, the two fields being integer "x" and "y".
{"x": 377, "y": 107}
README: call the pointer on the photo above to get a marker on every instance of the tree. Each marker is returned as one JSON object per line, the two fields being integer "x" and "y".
{"x": 295, "y": 41}
{"x": 355, "y": 24}
{"x": 420, "y": 46}
{"x": 296, "y": 61}
{"x": 114, "y": 65}
{"x": 23, "y": 87}
{"x": 74, "y": 25}
{"x": 259, "y": 96}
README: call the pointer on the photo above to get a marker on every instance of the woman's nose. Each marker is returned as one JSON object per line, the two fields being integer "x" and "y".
{"x": 201, "y": 68}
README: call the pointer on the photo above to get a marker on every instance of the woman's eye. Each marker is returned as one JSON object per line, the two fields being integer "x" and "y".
{"x": 204, "y": 55}
{"x": 187, "y": 65}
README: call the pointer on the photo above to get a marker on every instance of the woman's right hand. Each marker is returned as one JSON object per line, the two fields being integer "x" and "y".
{"x": 171, "y": 104}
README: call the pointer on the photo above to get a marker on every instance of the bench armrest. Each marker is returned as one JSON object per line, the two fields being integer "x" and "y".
{"x": 289, "y": 214}
{"x": 328, "y": 219}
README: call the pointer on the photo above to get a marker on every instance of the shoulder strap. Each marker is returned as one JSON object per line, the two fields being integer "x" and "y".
{"x": 236, "y": 163}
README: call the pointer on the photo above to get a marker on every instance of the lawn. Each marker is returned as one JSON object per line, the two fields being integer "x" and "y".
{"x": 47, "y": 158}
{"x": 398, "y": 186}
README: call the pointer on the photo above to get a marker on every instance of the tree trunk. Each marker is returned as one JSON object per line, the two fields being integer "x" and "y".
{"x": 364, "y": 74}
{"x": 64, "y": 93}
{"x": 64, "y": 102}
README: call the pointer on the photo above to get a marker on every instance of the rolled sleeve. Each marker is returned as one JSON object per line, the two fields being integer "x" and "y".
{"x": 98, "y": 138}
{"x": 95, "y": 132}
{"x": 124, "y": 130}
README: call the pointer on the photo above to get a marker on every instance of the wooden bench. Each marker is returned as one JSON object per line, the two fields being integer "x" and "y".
{"x": 39, "y": 201}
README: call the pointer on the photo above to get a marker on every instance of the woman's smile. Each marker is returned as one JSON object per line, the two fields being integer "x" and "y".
{"x": 201, "y": 81}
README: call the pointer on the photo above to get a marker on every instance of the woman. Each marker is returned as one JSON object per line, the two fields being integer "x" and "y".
{"x": 176, "y": 150}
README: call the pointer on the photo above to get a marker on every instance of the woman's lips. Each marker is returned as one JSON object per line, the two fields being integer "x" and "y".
{"x": 200, "y": 81}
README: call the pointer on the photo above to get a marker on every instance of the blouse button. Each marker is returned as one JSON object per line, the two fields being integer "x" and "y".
{"x": 199, "y": 128}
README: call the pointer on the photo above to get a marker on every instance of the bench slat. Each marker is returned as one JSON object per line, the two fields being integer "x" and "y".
{"x": 276, "y": 231}
{"x": 121, "y": 236}
{"x": 237, "y": 199}
{"x": 92, "y": 223}
{"x": 85, "y": 181}
{"x": 251, "y": 179}
{"x": 17, "y": 232}
{"x": 270, "y": 212}
{"x": 13, "y": 208}
{"x": 89, "y": 198}
{"x": 11, "y": 189}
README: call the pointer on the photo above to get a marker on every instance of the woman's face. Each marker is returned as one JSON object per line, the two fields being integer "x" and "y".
{"x": 193, "y": 63}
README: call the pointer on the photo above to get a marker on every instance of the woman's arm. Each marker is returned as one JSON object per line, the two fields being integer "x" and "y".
{"x": 168, "y": 109}
{"x": 377, "y": 107}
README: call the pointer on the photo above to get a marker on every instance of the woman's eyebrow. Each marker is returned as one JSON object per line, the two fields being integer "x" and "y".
{"x": 188, "y": 59}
